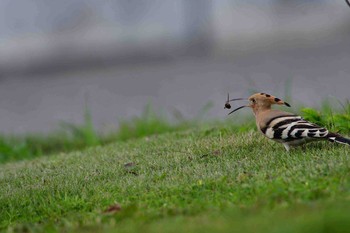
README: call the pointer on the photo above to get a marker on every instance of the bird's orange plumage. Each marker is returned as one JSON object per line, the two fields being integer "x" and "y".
{"x": 284, "y": 127}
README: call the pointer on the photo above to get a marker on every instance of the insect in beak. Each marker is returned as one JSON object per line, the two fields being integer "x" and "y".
{"x": 227, "y": 104}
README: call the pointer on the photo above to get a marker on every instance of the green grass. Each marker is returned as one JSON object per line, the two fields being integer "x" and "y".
{"x": 334, "y": 120}
{"x": 175, "y": 177}
{"x": 72, "y": 137}
{"x": 198, "y": 180}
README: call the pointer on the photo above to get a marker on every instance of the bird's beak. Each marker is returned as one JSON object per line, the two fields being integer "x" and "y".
{"x": 236, "y": 99}
{"x": 229, "y": 100}
{"x": 238, "y": 109}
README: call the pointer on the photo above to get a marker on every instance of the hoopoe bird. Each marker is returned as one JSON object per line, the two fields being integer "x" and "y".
{"x": 287, "y": 128}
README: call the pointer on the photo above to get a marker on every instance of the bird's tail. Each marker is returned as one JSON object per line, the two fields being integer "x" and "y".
{"x": 333, "y": 137}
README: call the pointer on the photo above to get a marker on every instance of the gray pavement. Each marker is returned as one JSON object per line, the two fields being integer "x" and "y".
{"x": 37, "y": 103}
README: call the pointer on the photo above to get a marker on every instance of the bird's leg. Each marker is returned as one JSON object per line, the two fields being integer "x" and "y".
{"x": 286, "y": 146}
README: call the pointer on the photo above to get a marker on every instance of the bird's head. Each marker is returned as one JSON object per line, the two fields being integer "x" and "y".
{"x": 260, "y": 101}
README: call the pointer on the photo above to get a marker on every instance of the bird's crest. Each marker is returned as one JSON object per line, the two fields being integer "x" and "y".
{"x": 270, "y": 99}
{"x": 257, "y": 102}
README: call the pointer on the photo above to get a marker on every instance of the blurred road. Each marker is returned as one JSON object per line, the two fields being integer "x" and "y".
{"x": 38, "y": 103}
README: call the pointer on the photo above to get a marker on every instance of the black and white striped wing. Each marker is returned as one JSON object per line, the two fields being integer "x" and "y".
{"x": 291, "y": 128}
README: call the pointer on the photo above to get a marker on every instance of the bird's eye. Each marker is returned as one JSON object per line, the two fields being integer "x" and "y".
{"x": 252, "y": 101}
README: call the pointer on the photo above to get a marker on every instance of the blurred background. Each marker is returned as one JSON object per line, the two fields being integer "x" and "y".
{"x": 114, "y": 57}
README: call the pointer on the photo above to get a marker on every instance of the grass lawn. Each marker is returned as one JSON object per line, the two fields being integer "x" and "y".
{"x": 199, "y": 180}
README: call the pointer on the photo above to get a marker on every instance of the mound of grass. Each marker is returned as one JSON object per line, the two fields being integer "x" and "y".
{"x": 202, "y": 179}
{"x": 72, "y": 137}
{"x": 69, "y": 137}
{"x": 149, "y": 123}
{"x": 327, "y": 117}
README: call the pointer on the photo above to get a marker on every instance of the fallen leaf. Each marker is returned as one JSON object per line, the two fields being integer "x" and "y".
{"x": 113, "y": 209}
{"x": 129, "y": 165}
